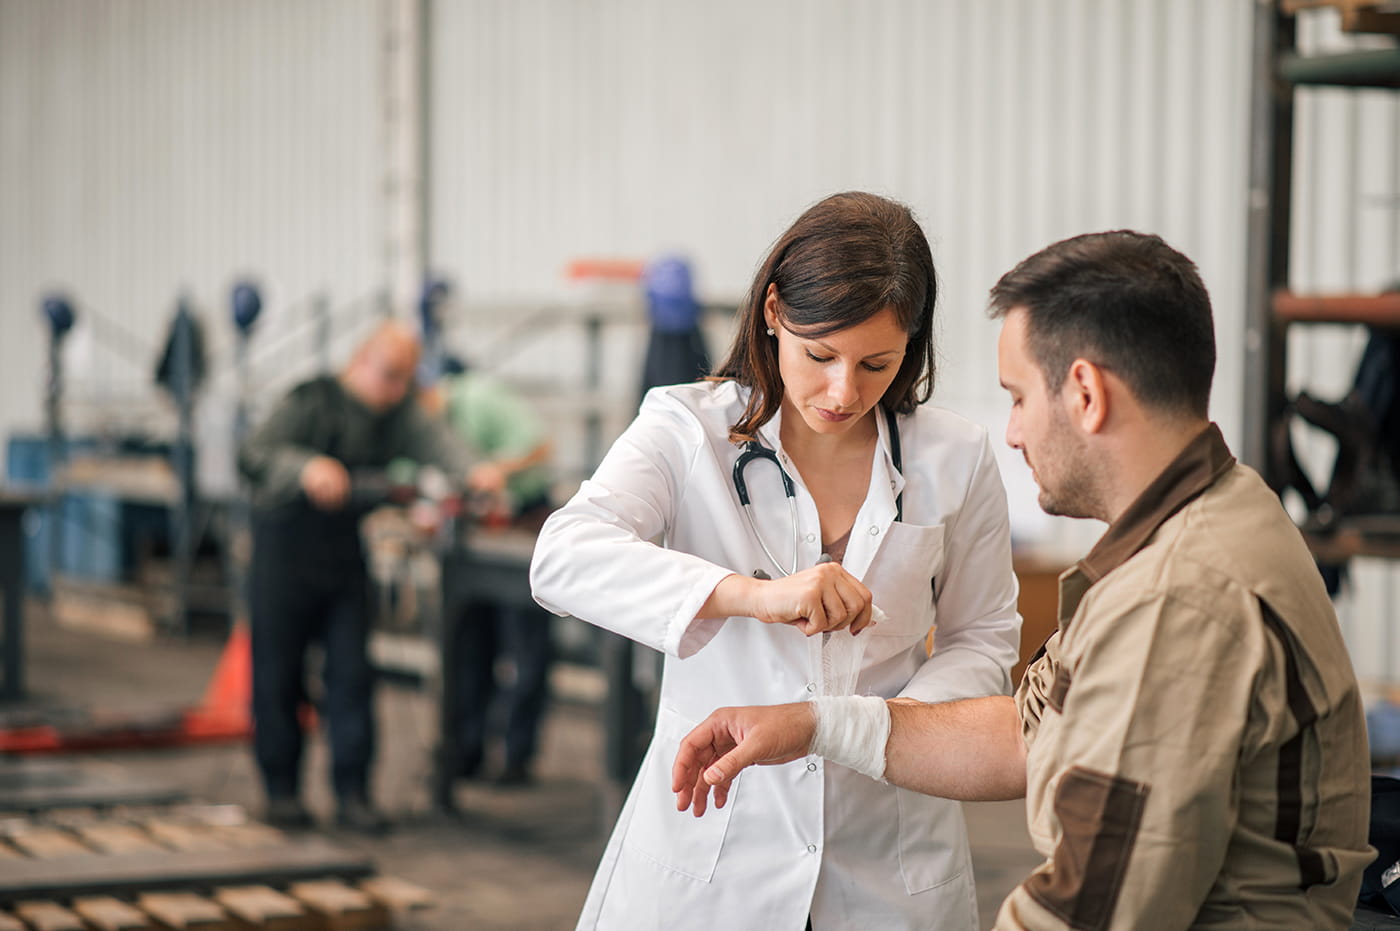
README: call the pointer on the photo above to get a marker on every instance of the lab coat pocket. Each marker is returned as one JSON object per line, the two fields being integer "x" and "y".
{"x": 675, "y": 839}
{"x": 932, "y": 840}
{"x": 902, "y": 576}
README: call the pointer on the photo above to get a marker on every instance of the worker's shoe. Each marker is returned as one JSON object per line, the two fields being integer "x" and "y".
{"x": 358, "y": 815}
{"x": 514, "y": 774}
{"x": 288, "y": 814}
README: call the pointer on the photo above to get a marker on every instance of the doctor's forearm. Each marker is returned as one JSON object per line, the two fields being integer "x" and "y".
{"x": 970, "y": 750}
{"x": 733, "y": 596}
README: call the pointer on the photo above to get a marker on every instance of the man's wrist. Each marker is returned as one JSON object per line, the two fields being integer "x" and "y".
{"x": 852, "y": 730}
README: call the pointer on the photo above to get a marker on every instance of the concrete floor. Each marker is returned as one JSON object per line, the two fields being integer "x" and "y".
{"x": 514, "y": 858}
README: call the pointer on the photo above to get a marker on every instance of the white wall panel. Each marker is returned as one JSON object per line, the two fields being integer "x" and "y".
{"x": 150, "y": 147}
{"x": 629, "y": 128}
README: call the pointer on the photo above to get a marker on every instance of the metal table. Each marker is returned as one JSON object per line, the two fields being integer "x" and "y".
{"x": 494, "y": 566}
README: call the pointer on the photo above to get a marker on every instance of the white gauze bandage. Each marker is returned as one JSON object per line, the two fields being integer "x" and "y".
{"x": 852, "y": 730}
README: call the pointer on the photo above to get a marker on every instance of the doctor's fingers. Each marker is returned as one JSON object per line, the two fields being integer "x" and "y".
{"x": 855, "y": 601}
{"x": 844, "y": 603}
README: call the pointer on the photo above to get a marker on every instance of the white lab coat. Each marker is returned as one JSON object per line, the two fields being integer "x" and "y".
{"x": 808, "y": 835}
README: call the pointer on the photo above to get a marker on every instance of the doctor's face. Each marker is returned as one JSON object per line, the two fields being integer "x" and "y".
{"x": 833, "y": 381}
{"x": 1040, "y": 427}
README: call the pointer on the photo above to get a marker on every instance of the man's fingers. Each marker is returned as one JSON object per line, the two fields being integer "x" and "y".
{"x": 728, "y": 766}
{"x": 700, "y": 798}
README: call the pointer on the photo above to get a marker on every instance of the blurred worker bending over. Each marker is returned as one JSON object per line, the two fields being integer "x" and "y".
{"x": 309, "y": 580}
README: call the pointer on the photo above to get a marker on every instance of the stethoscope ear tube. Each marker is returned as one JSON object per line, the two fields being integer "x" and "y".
{"x": 753, "y": 449}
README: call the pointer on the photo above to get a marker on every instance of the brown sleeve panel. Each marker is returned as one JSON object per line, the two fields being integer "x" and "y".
{"x": 1099, "y": 816}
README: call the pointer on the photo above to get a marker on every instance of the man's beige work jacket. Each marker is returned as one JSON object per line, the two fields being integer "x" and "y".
{"x": 1196, "y": 744}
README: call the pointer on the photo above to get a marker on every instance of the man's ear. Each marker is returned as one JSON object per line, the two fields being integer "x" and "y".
{"x": 1086, "y": 393}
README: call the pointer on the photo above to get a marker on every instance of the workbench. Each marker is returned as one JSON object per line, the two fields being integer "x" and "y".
{"x": 494, "y": 566}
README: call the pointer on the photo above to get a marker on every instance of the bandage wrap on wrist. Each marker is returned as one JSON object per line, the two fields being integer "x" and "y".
{"x": 852, "y": 730}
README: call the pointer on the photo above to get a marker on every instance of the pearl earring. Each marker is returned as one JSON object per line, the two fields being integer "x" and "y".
{"x": 770, "y": 331}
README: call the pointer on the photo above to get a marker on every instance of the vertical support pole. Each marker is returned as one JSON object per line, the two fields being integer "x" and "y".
{"x": 59, "y": 313}
{"x": 403, "y": 120}
{"x": 1268, "y": 226}
{"x": 246, "y": 305}
{"x": 53, "y": 415}
{"x": 183, "y": 456}
{"x": 623, "y": 708}
{"x": 321, "y": 309}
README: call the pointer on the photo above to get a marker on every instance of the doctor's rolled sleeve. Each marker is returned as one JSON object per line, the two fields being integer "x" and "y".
{"x": 597, "y": 551}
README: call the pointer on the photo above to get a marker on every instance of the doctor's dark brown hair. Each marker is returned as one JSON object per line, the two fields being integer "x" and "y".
{"x": 1125, "y": 301}
{"x": 844, "y": 260}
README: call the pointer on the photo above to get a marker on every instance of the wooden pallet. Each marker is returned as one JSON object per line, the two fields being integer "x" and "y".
{"x": 196, "y": 867}
{"x": 1357, "y": 15}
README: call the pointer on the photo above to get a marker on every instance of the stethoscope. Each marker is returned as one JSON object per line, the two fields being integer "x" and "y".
{"x": 753, "y": 449}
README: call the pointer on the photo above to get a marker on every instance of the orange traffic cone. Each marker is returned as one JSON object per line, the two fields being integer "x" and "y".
{"x": 226, "y": 709}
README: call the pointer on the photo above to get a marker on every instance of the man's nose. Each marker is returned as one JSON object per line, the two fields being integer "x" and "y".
{"x": 1013, "y": 431}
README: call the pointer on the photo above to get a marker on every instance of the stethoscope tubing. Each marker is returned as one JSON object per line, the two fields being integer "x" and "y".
{"x": 753, "y": 449}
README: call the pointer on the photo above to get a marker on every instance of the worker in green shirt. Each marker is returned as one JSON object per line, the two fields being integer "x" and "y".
{"x": 510, "y": 452}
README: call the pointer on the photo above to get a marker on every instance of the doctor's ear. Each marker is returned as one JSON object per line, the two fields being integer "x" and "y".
{"x": 771, "y": 314}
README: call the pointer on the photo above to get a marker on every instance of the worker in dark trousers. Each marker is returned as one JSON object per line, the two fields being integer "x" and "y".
{"x": 309, "y": 581}
{"x": 511, "y": 478}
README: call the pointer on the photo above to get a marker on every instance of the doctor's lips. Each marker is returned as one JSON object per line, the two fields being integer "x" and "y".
{"x": 833, "y": 416}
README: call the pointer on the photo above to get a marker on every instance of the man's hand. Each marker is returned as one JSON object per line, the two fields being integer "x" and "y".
{"x": 326, "y": 482}
{"x": 731, "y": 739}
{"x": 488, "y": 478}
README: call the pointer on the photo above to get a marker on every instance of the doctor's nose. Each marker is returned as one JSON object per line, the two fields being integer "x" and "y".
{"x": 842, "y": 389}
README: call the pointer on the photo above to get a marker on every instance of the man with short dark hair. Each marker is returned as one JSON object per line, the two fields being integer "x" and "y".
{"x": 1191, "y": 739}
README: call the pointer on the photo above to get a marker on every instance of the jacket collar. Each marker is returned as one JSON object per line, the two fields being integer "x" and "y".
{"x": 1199, "y": 466}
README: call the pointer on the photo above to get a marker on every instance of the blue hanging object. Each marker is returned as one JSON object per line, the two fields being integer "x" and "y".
{"x": 435, "y": 291}
{"x": 247, "y": 304}
{"x": 59, "y": 313}
{"x": 670, "y": 295}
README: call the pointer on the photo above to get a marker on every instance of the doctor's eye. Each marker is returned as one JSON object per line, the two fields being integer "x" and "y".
{"x": 816, "y": 358}
{"x": 872, "y": 367}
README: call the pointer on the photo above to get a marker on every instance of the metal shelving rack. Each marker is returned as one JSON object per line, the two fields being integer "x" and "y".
{"x": 1271, "y": 308}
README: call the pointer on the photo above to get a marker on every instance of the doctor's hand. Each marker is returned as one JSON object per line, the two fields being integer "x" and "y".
{"x": 729, "y": 740}
{"x": 822, "y": 598}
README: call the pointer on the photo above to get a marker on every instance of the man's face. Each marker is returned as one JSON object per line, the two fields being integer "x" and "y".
{"x": 1041, "y": 428}
{"x": 381, "y": 376}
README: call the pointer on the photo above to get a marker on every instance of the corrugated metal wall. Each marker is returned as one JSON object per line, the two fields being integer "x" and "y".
{"x": 623, "y": 127}
{"x": 152, "y": 145}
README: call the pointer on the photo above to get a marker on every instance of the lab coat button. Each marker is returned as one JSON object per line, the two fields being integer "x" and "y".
{"x": 811, "y": 767}
{"x": 874, "y": 530}
{"x": 811, "y": 686}
{"x": 811, "y": 848}
{"x": 811, "y": 537}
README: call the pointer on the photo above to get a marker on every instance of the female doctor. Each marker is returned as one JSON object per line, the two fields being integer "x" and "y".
{"x": 820, "y": 398}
